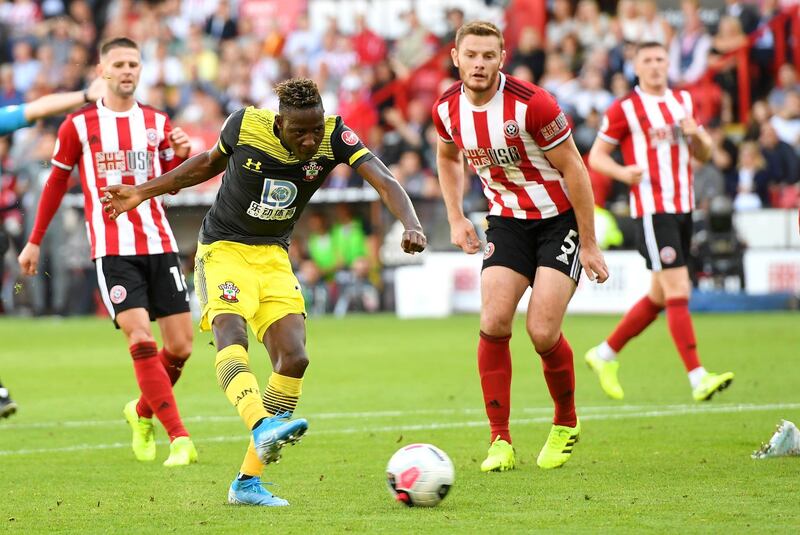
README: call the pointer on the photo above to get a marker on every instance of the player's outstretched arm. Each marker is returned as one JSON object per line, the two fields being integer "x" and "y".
{"x": 601, "y": 161}
{"x": 197, "y": 169}
{"x": 59, "y": 103}
{"x": 566, "y": 158}
{"x": 396, "y": 199}
{"x": 453, "y": 182}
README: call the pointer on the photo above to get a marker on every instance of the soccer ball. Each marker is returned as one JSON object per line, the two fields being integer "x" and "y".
{"x": 420, "y": 474}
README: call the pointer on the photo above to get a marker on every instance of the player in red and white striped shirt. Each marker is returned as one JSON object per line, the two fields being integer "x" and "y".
{"x": 655, "y": 128}
{"x": 117, "y": 141}
{"x": 541, "y": 226}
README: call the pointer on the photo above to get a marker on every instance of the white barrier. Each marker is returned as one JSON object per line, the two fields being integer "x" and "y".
{"x": 770, "y": 271}
{"x": 450, "y": 282}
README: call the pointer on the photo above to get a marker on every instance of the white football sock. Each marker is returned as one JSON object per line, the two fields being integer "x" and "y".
{"x": 605, "y": 352}
{"x": 696, "y": 375}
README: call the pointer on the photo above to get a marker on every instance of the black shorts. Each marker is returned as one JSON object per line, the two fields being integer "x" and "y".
{"x": 153, "y": 282}
{"x": 664, "y": 240}
{"x": 526, "y": 244}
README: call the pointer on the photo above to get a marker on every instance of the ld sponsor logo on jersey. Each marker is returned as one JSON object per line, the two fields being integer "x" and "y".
{"x": 277, "y": 197}
{"x": 229, "y": 292}
{"x": 668, "y": 254}
{"x": 312, "y": 170}
{"x": 152, "y": 137}
{"x": 511, "y": 129}
{"x": 488, "y": 251}
{"x": 117, "y": 294}
{"x": 349, "y": 137}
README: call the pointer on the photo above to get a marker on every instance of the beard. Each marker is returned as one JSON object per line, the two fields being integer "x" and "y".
{"x": 479, "y": 85}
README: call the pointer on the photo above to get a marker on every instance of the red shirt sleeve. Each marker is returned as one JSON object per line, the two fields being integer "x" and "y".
{"x": 444, "y": 135}
{"x": 166, "y": 154}
{"x": 614, "y": 127}
{"x": 66, "y": 154}
{"x": 545, "y": 121}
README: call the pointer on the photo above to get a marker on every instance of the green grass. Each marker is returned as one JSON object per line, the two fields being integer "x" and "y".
{"x": 656, "y": 462}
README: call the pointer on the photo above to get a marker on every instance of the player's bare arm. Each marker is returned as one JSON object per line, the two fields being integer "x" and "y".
{"x": 566, "y": 158}
{"x": 601, "y": 161}
{"x": 452, "y": 180}
{"x": 121, "y": 198}
{"x": 396, "y": 199}
{"x": 59, "y": 103}
{"x": 700, "y": 142}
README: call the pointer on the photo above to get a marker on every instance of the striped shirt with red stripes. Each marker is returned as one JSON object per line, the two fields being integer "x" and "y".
{"x": 109, "y": 148}
{"x": 505, "y": 141}
{"x": 648, "y": 130}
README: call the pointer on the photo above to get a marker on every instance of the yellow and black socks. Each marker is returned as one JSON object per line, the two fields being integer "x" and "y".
{"x": 239, "y": 384}
{"x": 280, "y": 397}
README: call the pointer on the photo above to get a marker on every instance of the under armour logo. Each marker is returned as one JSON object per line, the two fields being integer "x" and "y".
{"x": 494, "y": 404}
{"x": 251, "y": 165}
{"x": 164, "y": 405}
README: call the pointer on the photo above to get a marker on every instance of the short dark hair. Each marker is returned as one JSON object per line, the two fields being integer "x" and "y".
{"x": 117, "y": 42}
{"x": 644, "y": 45}
{"x": 480, "y": 28}
{"x": 298, "y": 94}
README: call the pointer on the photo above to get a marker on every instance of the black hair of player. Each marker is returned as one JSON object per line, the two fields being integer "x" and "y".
{"x": 297, "y": 94}
{"x": 117, "y": 42}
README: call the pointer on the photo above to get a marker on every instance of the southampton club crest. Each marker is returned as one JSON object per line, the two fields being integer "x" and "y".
{"x": 229, "y": 292}
{"x": 312, "y": 170}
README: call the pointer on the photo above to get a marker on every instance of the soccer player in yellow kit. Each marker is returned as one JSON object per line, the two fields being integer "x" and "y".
{"x": 273, "y": 164}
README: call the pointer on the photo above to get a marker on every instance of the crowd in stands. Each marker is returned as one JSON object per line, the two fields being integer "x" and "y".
{"x": 203, "y": 59}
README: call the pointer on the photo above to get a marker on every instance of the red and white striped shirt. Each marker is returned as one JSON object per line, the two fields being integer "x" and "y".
{"x": 505, "y": 141}
{"x": 110, "y": 148}
{"x": 647, "y": 129}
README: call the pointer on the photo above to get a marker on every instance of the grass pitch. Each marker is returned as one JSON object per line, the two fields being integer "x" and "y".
{"x": 656, "y": 462}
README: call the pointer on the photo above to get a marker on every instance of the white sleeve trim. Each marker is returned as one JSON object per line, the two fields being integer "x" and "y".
{"x": 61, "y": 165}
{"x": 607, "y": 138}
{"x": 558, "y": 141}
{"x": 446, "y": 140}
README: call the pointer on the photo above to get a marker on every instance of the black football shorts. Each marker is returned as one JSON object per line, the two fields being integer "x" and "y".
{"x": 153, "y": 282}
{"x": 525, "y": 244}
{"x": 664, "y": 240}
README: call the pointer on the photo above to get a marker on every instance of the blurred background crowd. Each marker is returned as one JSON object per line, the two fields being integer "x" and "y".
{"x": 380, "y": 64}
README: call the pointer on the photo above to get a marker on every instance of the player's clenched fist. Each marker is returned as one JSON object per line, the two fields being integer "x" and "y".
{"x": 120, "y": 198}
{"x": 180, "y": 143}
{"x": 631, "y": 174}
{"x": 414, "y": 241}
{"x": 463, "y": 235}
{"x": 29, "y": 259}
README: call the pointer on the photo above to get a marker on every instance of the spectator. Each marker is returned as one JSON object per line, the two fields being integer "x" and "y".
{"x": 745, "y": 13}
{"x": 654, "y": 27}
{"x": 787, "y": 120}
{"x": 348, "y": 237}
{"x": 749, "y": 192}
{"x": 709, "y": 183}
{"x": 26, "y": 68}
{"x": 370, "y": 47}
{"x": 529, "y": 53}
{"x": 592, "y": 95}
{"x": 455, "y": 20}
{"x": 356, "y": 292}
{"x": 302, "y": 42}
{"x": 9, "y": 94}
{"x": 782, "y": 162}
{"x": 787, "y": 81}
{"x": 221, "y": 25}
{"x": 593, "y": 27}
{"x": 689, "y": 49}
{"x": 559, "y": 80}
{"x": 560, "y": 24}
{"x": 416, "y": 46}
{"x": 320, "y": 245}
{"x": 315, "y": 291}
{"x": 630, "y": 21}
